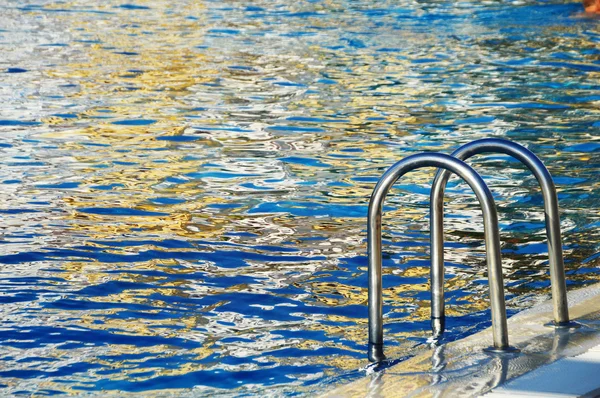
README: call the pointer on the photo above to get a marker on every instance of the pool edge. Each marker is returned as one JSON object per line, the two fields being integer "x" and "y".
{"x": 527, "y": 330}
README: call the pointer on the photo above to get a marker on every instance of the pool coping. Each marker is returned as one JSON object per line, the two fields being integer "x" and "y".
{"x": 461, "y": 368}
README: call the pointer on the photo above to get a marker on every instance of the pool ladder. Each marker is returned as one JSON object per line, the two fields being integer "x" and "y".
{"x": 455, "y": 163}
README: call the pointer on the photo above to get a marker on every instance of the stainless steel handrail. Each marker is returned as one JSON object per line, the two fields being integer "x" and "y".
{"x": 557, "y": 268}
{"x": 492, "y": 244}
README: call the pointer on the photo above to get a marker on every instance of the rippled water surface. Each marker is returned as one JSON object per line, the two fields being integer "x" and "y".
{"x": 184, "y": 184}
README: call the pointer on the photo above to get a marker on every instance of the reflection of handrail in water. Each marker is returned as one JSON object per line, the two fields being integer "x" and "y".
{"x": 557, "y": 268}
{"x": 492, "y": 244}
{"x": 499, "y": 369}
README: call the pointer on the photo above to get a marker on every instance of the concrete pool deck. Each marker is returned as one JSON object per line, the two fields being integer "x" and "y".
{"x": 552, "y": 362}
{"x": 577, "y": 376}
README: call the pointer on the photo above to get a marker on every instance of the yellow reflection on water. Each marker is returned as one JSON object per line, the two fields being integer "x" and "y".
{"x": 188, "y": 130}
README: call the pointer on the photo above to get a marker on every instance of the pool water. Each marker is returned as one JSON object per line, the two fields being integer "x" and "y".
{"x": 184, "y": 184}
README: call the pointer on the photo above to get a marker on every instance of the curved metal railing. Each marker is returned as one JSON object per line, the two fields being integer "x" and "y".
{"x": 492, "y": 244}
{"x": 557, "y": 269}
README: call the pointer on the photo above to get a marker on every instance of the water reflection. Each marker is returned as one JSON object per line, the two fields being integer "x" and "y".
{"x": 184, "y": 186}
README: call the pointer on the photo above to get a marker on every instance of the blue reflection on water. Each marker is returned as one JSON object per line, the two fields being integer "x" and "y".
{"x": 186, "y": 185}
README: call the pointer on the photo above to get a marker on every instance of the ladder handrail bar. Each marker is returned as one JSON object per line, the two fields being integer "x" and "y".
{"x": 492, "y": 244}
{"x": 555, "y": 253}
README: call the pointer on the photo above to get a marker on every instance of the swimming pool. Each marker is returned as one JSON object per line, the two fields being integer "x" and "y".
{"x": 184, "y": 186}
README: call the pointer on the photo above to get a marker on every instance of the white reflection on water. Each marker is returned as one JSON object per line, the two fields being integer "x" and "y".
{"x": 184, "y": 186}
